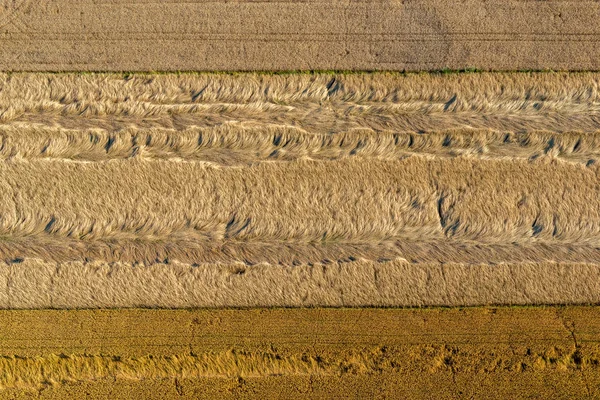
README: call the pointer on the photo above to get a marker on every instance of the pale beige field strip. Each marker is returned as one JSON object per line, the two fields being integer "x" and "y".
{"x": 450, "y": 353}
{"x": 147, "y": 35}
{"x": 204, "y": 190}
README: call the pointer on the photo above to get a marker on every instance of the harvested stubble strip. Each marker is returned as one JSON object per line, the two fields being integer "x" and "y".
{"x": 299, "y": 171}
{"x": 174, "y": 35}
{"x": 302, "y": 353}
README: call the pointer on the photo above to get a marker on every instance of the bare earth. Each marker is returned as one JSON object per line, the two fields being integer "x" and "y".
{"x": 483, "y": 353}
{"x": 147, "y": 35}
{"x": 215, "y": 190}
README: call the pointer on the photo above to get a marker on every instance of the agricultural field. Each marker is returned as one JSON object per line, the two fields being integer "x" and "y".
{"x": 215, "y": 190}
{"x": 171, "y": 216}
{"x": 446, "y": 353}
{"x": 286, "y": 35}
{"x": 278, "y": 199}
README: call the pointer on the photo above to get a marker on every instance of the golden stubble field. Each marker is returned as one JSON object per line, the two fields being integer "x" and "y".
{"x": 447, "y": 353}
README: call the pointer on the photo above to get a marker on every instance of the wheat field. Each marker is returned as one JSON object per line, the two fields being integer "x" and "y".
{"x": 299, "y": 189}
{"x": 299, "y": 235}
{"x": 299, "y": 199}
